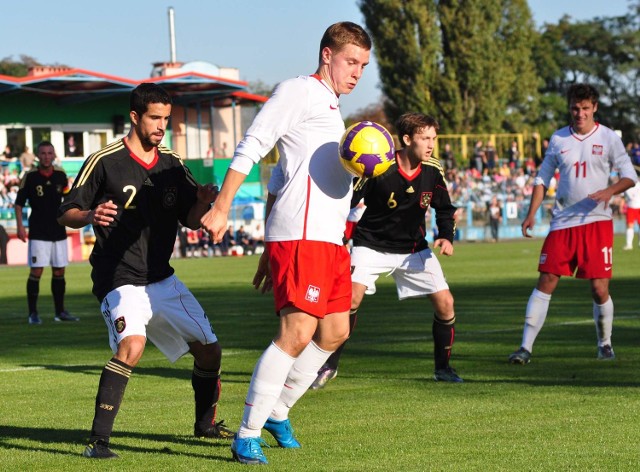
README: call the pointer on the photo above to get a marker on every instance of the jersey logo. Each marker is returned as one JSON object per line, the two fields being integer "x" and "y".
{"x": 564, "y": 151}
{"x": 333, "y": 107}
{"x": 543, "y": 258}
{"x": 425, "y": 199}
{"x": 313, "y": 294}
{"x": 410, "y": 190}
{"x": 148, "y": 182}
{"x": 170, "y": 197}
{"x": 597, "y": 150}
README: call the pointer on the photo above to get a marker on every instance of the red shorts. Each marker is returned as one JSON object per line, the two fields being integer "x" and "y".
{"x": 633, "y": 215}
{"x": 313, "y": 276}
{"x": 587, "y": 248}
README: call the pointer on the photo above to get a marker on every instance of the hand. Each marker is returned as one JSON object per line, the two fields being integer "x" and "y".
{"x": 446, "y": 248}
{"x": 103, "y": 214}
{"x": 215, "y": 222}
{"x": 263, "y": 273}
{"x": 601, "y": 196}
{"x": 208, "y": 193}
{"x": 22, "y": 234}
{"x": 527, "y": 225}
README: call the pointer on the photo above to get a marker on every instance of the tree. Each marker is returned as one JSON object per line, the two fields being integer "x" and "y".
{"x": 17, "y": 68}
{"x": 468, "y": 62}
{"x": 604, "y": 52}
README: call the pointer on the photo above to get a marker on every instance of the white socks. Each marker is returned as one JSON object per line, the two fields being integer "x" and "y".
{"x": 603, "y": 318}
{"x": 278, "y": 381}
{"x": 534, "y": 319}
{"x": 266, "y": 384}
{"x": 629, "y": 235}
{"x": 301, "y": 376}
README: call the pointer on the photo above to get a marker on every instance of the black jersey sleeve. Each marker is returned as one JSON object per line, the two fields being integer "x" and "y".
{"x": 188, "y": 194}
{"x": 23, "y": 195}
{"x": 85, "y": 187}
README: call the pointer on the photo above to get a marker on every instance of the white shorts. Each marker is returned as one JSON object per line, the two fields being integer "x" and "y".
{"x": 47, "y": 253}
{"x": 165, "y": 312}
{"x": 416, "y": 275}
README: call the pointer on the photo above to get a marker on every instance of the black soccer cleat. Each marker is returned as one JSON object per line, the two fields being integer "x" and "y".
{"x": 99, "y": 450}
{"x": 216, "y": 431}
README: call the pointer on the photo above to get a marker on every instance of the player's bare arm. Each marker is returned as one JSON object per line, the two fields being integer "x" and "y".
{"x": 263, "y": 272}
{"x": 537, "y": 196}
{"x": 606, "y": 194}
{"x": 20, "y": 229}
{"x": 205, "y": 197}
{"x": 446, "y": 248}
{"x": 102, "y": 215}
{"x": 215, "y": 220}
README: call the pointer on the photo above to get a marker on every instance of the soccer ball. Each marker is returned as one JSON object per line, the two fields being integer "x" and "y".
{"x": 366, "y": 149}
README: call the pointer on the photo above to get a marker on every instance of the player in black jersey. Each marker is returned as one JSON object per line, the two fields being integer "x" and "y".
{"x": 390, "y": 238}
{"x": 134, "y": 192}
{"x": 43, "y": 188}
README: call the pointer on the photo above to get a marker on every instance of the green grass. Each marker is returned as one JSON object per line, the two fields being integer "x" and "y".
{"x": 564, "y": 411}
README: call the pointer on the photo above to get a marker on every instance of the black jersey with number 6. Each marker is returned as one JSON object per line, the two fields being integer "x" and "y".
{"x": 135, "y": 249}
{"x": 396, "y": 204}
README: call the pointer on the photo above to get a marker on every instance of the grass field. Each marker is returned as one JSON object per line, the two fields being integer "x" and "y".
{"x": 564, "y": 411}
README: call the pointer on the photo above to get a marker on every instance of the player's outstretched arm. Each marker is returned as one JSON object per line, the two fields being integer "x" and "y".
{"x": 206, "y": 196}
{"x": 215, "y": 220}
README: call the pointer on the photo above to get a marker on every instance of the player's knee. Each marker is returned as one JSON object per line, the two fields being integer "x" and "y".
{"x": 207, "y": 356}
{"x": 599, "y": 294}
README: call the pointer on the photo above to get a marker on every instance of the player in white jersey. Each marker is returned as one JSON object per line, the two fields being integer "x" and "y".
{"x": 304, "y": 258}
{"x": 632, "y": 202}
{"x": 580, "y": 239}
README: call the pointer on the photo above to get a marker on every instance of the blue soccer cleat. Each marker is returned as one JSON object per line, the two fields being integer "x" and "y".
{"x": 248, "y": 450}
{"x": 283, "y": 432}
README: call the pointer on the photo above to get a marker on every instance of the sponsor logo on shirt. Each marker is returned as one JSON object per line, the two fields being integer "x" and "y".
{"x": 313, "y": 294}
{"x": 425, "y": 199}
{"x": 564, "y": 151}
{"x": 597, "y": 150}
{"x": 333, "y": 107}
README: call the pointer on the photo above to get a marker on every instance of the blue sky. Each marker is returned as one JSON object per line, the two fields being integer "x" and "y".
{"x": 267, "y": 40}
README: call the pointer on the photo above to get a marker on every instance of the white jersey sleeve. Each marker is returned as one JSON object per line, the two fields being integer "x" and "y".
{"x": 585, "y": 164}
{"x": 313, "y": 190}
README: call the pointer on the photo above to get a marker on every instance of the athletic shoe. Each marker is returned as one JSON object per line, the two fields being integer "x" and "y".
{"x": 34, "y": 318}
{"x": 521, "y": 356}
{"x": 627, "y": 248}
{"x": 216, "y": 431}
{"x": 448, "y": 374}
{"x": 65, "y": 316}
{"x": 248, "y": 450}
{"x": 99, "y": 450}
{"x": 324, "y": 375}
{"x": 605, "y": 353}
{"x": 283, "y": 432}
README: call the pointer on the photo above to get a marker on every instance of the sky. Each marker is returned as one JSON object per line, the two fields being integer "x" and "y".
{"x": 267, "y": 40}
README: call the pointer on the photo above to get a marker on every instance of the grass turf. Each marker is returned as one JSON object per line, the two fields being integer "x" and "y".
{"x": 564, "y": 411}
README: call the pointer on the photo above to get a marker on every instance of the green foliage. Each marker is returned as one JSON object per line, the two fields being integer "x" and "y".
{"x": 13, "y": 68}
{"x": 467, "y": 62}
{"x": 564, "y": 411}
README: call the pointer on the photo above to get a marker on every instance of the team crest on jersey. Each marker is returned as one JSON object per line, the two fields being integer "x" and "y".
{"x": 597, "y": 150}
{"x": 120, "y": 324}
{"x": 170, "y": 197}
{"x": 313, "y": 294}
{"x": 543, "y": 258}
{"x": 425, "y": 199}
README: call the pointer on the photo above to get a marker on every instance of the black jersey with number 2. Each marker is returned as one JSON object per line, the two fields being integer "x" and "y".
{"x": 396, "y": 204}
{"x": 44, "y": 193}
{"x": 135, "y": 249}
